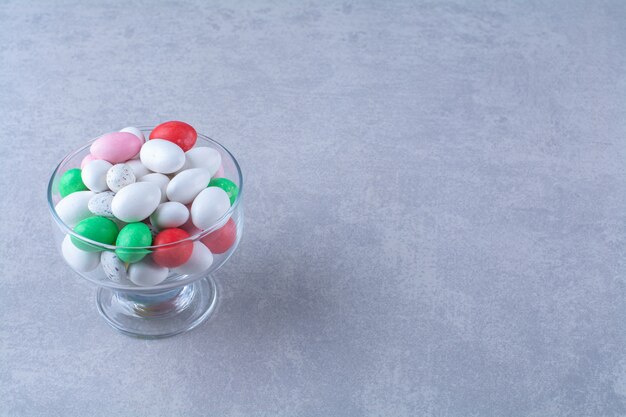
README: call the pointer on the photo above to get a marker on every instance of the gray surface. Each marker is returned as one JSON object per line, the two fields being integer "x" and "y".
{"x": 435, "y": 206}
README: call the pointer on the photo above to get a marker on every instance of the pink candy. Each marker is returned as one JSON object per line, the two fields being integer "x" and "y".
{"x": 116, "y": 147}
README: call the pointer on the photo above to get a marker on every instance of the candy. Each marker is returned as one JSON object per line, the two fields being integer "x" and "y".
{"x": 119, "y": 176}
{"x": 226, "y": 185}
{"x": 159, "y": 179}
{"x": 203, "y": 157}
{"x": 113, "y": 267}
{"x": 71, "y": 182}
{"x": 135, "y": 202}
{"x": 222, "y": 239}
{"x": 138, "y": 168}
{"x": 147, "y": 273}
{"x": 99, "y": 229}
{"x": 116, "y": 147}
{"x": 209, "y": 207}
{"x": 94, "y": 175}
{"x": 133, "y": 235}
{"x": 159, "y": 155}
{"x": 135, "y": 132}
{"x": 74, "y": 208}
{"x": 170, "y": 214}
{"x": 87, "y": 159}
{"x": 100, "y": 204}
{"x": 146, "y": 198}
{"x": 79, "y": 259}
{"x": 172, "y": 255}
{"x": 180, "y": 133}
{"x": 186, "y": 185}
{"x": 200, "y": 260}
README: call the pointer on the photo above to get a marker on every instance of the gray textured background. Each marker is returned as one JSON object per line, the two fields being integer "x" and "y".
{"x": 435, "y": 206}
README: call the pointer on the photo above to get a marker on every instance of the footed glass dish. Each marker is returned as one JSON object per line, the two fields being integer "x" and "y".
{"x": 180, "y": 302}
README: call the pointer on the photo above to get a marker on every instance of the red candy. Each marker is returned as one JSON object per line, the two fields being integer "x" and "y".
{"x": 180, "y": 133}
{"x": 222, "y": 239}
{"x": 174, "y": 255}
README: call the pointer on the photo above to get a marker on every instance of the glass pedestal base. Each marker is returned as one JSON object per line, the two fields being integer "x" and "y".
{"x": 160, "y": 314}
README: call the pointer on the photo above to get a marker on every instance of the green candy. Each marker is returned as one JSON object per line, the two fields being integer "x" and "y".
{"x": 226, "y": 185}
{"x": 133, "y": 235}
{"x": 71, "y": 182}
{"x": 99, "y": 229}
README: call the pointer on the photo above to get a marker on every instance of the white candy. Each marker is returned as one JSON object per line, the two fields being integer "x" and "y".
{"x": 100, "y": 204}
{"x": 78, "y": 259}
{"x": 169, "y": 214}
{"x": 135, "y": 202}
{"x": 138, "y": 168}
{"x": 94, "y": 175}
{"x": 209, "y": 206}
{"x": 159, "y": 179}
{"x": 113, "y": 267}
{"x": 74, "y": 207}
{"x": 201, "y": 259}
{"x": 119, "y": 176}
{"x": 203, "y": 157}
{"x": 162, "y": 156}
{"x": 135, "y": 132}
{"x": 186, "y": 185}
{"x": 146, "y": 273}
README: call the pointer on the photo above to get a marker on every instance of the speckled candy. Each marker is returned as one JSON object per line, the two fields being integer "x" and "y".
{"x": 100, "y": 204}
{"x": 119, "y": 176}
{"x": 113, "y": 267}
{"x": 99, "y": 229}
{"x": 71, "y": 182}
{"x": 133, "y": 235}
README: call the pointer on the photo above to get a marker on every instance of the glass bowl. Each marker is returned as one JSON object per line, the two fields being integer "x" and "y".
{"x": 180, "y": 302}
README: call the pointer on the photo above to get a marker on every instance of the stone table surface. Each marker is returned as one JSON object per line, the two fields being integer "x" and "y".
{"x": 435, "y": 206}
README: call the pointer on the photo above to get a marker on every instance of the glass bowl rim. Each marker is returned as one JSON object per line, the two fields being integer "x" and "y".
{"x": 222, "y": 221}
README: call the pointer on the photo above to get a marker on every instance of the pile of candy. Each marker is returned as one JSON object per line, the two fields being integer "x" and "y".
{"x": 131, "y": 192}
